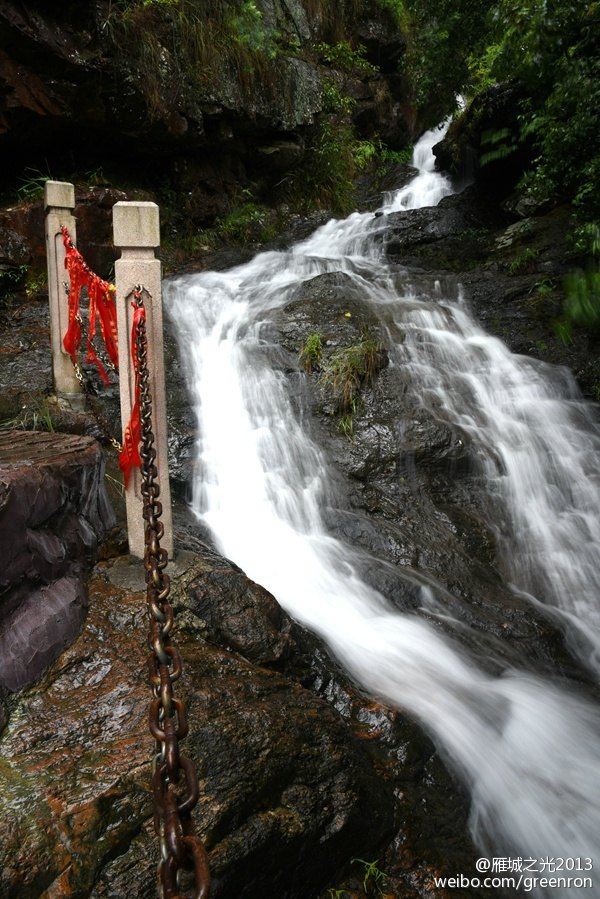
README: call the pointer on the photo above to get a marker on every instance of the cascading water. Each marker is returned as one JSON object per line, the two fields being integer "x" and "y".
{"x": 528, "y": 749}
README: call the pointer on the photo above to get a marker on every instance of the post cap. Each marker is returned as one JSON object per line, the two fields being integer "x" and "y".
{"x": 59, "y": 194}
{"x": 136, "y": 225}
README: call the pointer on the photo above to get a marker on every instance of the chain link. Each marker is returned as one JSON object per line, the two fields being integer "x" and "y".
{"x": 175, "y": 783}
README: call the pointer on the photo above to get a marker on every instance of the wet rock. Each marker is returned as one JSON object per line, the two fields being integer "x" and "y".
{"x": 240, "y": 615}
{"x": 77, "y": 85}
{"x": 282, "y": 155}
{"x": 93, "y": 211}
{"x": 510, "y": 272}
{"x": 450, "y": 236}
{"x": 53, "y": 513}
{"x": 428, "y": 801}
{"x": 485, "y": 142}
{"x": 409, "y": 494}
{"x": 25, "y": 360}
{"x": 13, "y": 249}
{"x": 287, "y": 795}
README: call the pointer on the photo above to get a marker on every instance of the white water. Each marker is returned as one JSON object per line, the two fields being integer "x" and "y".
{"x": 528, "y": 749}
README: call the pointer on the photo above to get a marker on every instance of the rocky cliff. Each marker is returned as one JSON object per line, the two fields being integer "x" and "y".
{"x": 199, "y": 96}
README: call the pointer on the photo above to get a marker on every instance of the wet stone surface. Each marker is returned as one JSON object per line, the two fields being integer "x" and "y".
{"x": 406, "y": 491}
{"x": 53, "y": 513}
{"x": 299, "y": 772}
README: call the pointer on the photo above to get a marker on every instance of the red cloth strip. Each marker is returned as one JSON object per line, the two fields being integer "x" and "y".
{"x": 102, "y": 309}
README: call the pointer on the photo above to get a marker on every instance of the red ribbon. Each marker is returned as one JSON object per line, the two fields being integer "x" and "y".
{"x": 102, "y": 309}
{"x": 130, "y": 454}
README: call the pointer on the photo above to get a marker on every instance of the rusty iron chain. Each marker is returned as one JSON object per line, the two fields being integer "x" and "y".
{"x": 175, "y": 783}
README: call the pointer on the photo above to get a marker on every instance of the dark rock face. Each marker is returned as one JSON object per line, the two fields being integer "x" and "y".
{"x": 488, "y": 124}
{"x": 288, "y": 796}
{"x": 408, "y": 492}
{"x": 79, "y": 85}
{"x": 468, "y": 240}
{"x": 53, "y": 512}
{"x": 453, "y": 235}
{"x": 241, "y": 615}
{"x": 22, "y": 240}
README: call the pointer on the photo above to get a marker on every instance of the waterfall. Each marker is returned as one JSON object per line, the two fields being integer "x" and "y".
{"x": 528, "y": 748}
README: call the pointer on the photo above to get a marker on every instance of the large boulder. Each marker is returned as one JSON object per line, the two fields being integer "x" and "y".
{"x": 53, "y": 513}
{"x": 484, "y": 141}
{"x": 409, "y": 489}
{"x": 288, "y": 796}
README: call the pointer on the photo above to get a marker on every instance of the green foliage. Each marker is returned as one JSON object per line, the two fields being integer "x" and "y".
{"x": 440, "y": 36}
{"x": 544, "y": 289}
{"x": 586, "y": 239}
{"x": 395, "y": 157}
{"x": 36, "y": 418}
{"x": 523, "y": 261}
{"x": 311, "y": 352}
{"x": 11, "y": 279}
{"x": 326, "y": 177}
{"x": 365, "y": 151}
{"x": 562, "y": 329}
{"x": 348, "y": 368}
{"x": 373, "y": 877}
{"x": 496, "y": 145}
{"x": 249, "y": 222}
{"x": 399, "y": 12}
{"x": 250, "y": 31}
{"x": 550, "y": 50}
{"x": 345, "y": 58}
{"x": 346, "y": 425}
{"x": 31, "y": 184}
{"x": 335, "y": 102}
{"x": 582, "y": 302}
{"x": 36, "y": 283}
{"x": 368, "y": 152}
{"x": 175, "y": 42}
{"x": 582, "y": 287}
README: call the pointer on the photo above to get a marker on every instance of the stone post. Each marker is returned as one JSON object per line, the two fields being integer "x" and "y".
{"x": 136, "y": 231}
{"x": 59, "y": 201}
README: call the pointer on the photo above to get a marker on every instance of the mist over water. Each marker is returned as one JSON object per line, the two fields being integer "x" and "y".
{"x": 528, "y": 749}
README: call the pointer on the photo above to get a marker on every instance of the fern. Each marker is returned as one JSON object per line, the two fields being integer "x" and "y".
{"x": 497, "y": 153}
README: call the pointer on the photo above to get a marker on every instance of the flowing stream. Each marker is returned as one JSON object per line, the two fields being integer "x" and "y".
{"x": 528, "y": 748}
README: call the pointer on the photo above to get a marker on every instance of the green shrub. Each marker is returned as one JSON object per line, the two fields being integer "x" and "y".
{"x": 202, "y": 43}
{"x": 373, "y": 877}
{"x": 524, "y": 261}
{"x": 582, "y": 300}
{"x": 348, "y": 368}
{"x": 334, "y": 101}
{"x": 12, "y": 279}
{"x": 345, "y": 58}
{"x": 249, "y": 222}
{"x": 311, "y": 352}
{"x": 365, "y": 151}
{"x": 326, "y": 177}
{"x": 563, "y": 330}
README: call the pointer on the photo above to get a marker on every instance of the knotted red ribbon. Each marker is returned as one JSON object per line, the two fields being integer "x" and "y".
{"x": 102, "y": 308}
{"x": 130, "y": 454}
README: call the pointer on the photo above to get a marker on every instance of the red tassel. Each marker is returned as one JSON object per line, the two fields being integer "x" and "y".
{"x": 102, "y": 307}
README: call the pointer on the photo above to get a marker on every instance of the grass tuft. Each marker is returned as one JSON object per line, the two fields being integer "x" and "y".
{"x": 311, "y": 352}
{"x": 348, "y": 369}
